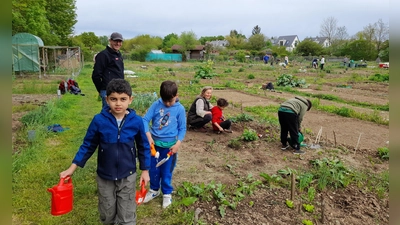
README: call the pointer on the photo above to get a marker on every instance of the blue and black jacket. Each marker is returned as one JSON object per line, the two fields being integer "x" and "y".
{"x": 116, "y": 145}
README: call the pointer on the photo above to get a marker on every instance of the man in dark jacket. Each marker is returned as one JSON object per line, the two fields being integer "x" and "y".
{"x": 290, "y": 116}
{"x": 108, "y": 65}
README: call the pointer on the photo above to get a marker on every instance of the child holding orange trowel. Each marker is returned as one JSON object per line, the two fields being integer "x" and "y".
{"x": 168, "y": 128}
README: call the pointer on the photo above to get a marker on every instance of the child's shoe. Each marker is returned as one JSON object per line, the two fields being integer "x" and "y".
{"x": 151, "y": 194}
{"x": 167, "y": 200}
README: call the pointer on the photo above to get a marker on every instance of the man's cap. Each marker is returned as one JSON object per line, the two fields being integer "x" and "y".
{"x": 116, "y": 36}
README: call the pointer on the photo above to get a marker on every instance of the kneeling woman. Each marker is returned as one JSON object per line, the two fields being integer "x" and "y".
{"x": 200, "y": 111}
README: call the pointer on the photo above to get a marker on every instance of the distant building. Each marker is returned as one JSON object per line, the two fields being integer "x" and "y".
{"x": 219, "y": 43}
{"x": 290, "y": 42}
{"x": 195, "y": 53}
{"x": 323, "y": 41}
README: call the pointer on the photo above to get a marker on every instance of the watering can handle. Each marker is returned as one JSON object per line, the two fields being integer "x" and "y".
{"x": 62, "y": 180}
{"x": 142, "y": 188}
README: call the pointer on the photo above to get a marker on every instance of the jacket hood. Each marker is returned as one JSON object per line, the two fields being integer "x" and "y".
{"x": 302, "y": 99}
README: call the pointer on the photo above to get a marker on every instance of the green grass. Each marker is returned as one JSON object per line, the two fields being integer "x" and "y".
{"x": 36, "y": 164}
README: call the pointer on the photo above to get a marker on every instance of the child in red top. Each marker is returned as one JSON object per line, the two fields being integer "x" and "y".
{"x": 218, "y": 121}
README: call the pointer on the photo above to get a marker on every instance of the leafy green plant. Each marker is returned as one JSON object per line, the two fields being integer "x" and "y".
{"x": 205, "y": 72}
{"x": 288, "y": 80}
{"x": 142, "y": 101}
{"x": 250, "y": 76}
{"x": 235, "y": 143}
{"x": 307, "y": 222}
{"x": 229, "y": 70}
{"x": 311, "y": 194}
{"x": 305, "y": 180}
{"x": 241, "y": 69}
{"x": 243, "y": 117}
{"x": 249, "y": 135}
{"x": 380, "y": 78}
{"x": 383, "y": 153}
{"x": 289, "y": 203}
{"x": 330, "y": 172}
{"x": 308, "y": 208}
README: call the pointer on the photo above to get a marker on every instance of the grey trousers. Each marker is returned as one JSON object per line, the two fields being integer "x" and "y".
{"x": 117, "y": 200}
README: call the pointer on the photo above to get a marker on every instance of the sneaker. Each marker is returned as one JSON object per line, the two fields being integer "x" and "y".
{"x": 285, "y": 147}
{"x": 200, "y": 129}
{"x": 167, "y": 200}
{"x": 151, "y": 194}
{"x": 298, "y": 152}
{"x": 228, "y": 130}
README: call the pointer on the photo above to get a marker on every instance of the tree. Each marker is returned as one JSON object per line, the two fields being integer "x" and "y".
{"x": 187, "y": 40}
{"x": 89, "y": 39}
{"x": 256, "y": 30}
{"x": 359, "y": 49}
{"x": 167, "y": 39}
{"x": 30, "y": 17}
{"x": 308, "y": 47}
{"x": 341, "y": 34}
{"x": 62, "y": 18}
{"x": 257, "y": 42}
{"x": 236, "y": 34}
{"x": 381, "y": 34}
{"x": 103, "y": 40}
{"x": 329, "y": 29}
{"x": 51, "y": 20}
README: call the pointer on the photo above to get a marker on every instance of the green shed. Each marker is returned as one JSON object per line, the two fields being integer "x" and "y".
{"x": 26, "y": 52}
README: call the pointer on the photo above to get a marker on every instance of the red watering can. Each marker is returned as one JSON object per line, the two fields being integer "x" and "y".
{"x": 62, "y": 197}
{"x": 141, "y": 194}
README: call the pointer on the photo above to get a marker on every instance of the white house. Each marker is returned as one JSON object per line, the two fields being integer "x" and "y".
{"x": 219, "y": 43}
{"x": 323, "y": 41}
{"x": 289, "y": 41}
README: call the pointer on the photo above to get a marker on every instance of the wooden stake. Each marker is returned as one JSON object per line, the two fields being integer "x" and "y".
{"x": 292, "y": 191}
{"x": 334, "y": 137}
{"x": 322, "y": 209}
{"x": 358, "y": 142}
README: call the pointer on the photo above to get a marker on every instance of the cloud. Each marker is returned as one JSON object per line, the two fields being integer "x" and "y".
{"x": 218, "y": 17}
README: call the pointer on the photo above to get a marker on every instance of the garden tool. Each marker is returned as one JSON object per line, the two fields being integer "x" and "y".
{"x": 301, "y": 139}
{"x": 165, "y": 159}
{"x": 141, "y": 194}
{"x": 316, "y": 145}
{"x": 154, "y": 151}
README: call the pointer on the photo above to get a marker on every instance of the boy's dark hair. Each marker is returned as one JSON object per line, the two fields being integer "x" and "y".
{"x": 221, "y": 102}
{"x": 309, "y": 105}
{"x": 119, "y": 86}
{"x": 168, "y": 90}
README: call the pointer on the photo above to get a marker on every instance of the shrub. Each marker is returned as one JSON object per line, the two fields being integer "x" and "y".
{"x": 380, "y": 78}
{"x": 250, "y": 76}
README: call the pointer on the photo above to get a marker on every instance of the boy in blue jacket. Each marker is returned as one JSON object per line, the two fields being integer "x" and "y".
{"x": 167, "y": 131}
{"x": 117, "y": 131}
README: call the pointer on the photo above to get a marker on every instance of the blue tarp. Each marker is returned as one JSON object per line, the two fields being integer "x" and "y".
{"x": 164, "y": 57}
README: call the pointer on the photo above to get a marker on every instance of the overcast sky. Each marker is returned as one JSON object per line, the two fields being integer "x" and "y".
{"x": 219, "y": 17}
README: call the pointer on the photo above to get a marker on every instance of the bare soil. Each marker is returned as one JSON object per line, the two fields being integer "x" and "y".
{"x": 206, "y": 157}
